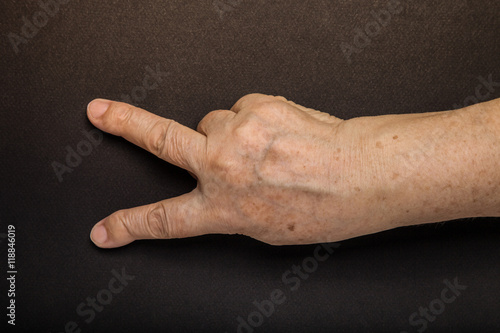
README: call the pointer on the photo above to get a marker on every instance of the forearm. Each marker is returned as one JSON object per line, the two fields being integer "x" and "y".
{"x": 447, "y": 165}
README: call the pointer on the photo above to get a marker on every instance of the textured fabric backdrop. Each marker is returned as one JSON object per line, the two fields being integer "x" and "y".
{"x": 182, "y": 59}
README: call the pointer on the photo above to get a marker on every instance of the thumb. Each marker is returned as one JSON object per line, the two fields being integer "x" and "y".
{"x": 172, "y": 218}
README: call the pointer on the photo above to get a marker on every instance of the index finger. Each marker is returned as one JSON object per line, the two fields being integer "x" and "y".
{"x": 167, "y": 139}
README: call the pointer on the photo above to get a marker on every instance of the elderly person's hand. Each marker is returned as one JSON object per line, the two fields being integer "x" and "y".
{"x": 285, "y": 174}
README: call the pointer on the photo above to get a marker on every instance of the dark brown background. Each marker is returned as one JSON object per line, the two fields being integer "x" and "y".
{"x": 428, "y": 58}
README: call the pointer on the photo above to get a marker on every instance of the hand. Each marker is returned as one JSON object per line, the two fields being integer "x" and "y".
{"x": 280, "y": 173}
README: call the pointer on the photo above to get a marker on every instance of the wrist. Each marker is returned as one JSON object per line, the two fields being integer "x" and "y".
{"x": 396, "y": 170}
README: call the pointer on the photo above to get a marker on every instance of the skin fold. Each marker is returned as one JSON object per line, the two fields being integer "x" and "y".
{"x": 285, "y": 174}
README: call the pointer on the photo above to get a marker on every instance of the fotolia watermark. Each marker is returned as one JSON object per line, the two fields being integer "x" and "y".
{"x": 31, "y": 26}
{"x": 425, "y": 315}
{"x": 292, "y": 280}
{"x": 224, "y": 6}
{"x": 88, "y": 309}
{"x": 363, "y": 36}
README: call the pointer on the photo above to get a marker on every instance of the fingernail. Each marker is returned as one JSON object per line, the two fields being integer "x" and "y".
{"x": 99, "y": 235}
{"x": 97, "y": 107}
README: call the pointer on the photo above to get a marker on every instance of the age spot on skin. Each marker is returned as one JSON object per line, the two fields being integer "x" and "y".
{"x": 357, "y": 189}
{"x": 291, "y": 227}
{"x": 378, "y": 144}
{"x": 395, "y": 137}
{"x": 339, "y": 150}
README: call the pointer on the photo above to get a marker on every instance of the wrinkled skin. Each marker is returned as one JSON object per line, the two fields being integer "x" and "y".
{"x": 285, "y": 174}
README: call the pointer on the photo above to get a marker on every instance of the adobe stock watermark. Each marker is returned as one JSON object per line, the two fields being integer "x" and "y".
{"x": 425, "y": 147}
{"x": 88, "y": 309}
{"x": 422, "y": 149}
{"x": 363, "y": 36}
{"x": 151, "y": 81}
{"x": 32, "y": 25}
{"x": 292, "y": 280}
{"x": 74, "y": 156}
{"x": 209, "y": 190}
{"x": 225, "y": 6}
{"x": 425, "y": 315}
{"x": 483, "y": 91}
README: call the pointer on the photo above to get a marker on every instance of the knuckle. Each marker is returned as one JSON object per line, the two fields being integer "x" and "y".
{"x": 247, "y": 129}
{"x": 264, "y": 108}
{"x": 207, "y": 119}
{"x": 157, "y": 136}
{"x": 249, "y": 100}
{"x": 252, "y": 137}
{"x": 157, "y": 224}
{"x": 254, "y": 125}
{"x": 212, "y": 114}
{"x": 267, "y": 109}
{"x": 282, "y": 99}
{"x": 215, "y": 120}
